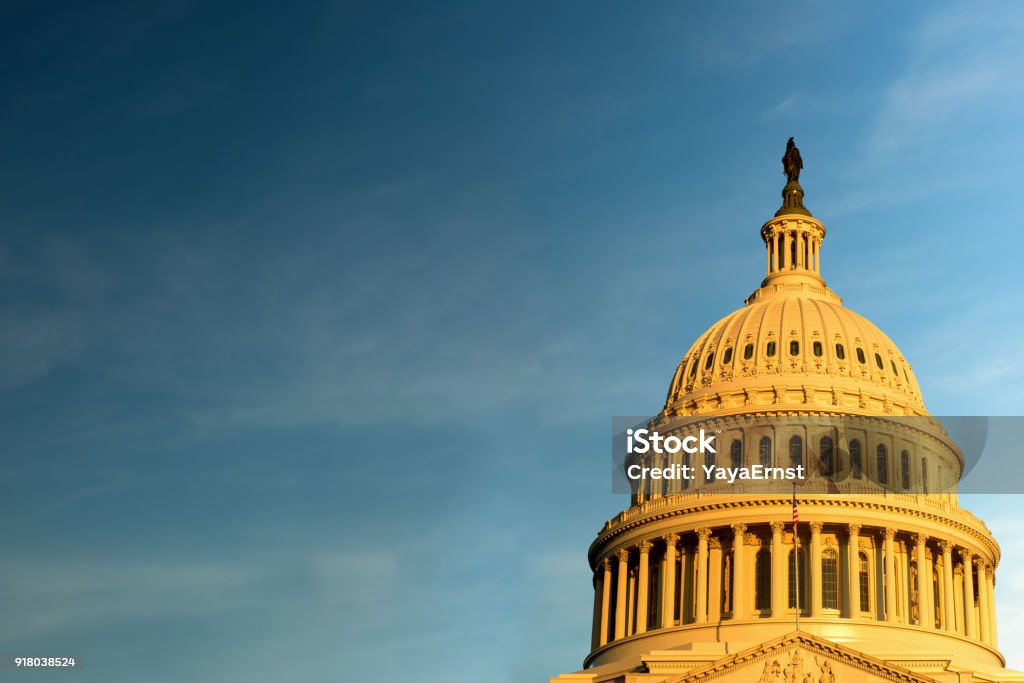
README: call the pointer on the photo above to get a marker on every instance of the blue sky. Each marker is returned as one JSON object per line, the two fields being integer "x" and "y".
{"x": 314, "y": 316}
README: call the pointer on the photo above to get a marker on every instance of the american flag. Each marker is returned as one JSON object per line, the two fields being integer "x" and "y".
{"x": 796, "y": 513}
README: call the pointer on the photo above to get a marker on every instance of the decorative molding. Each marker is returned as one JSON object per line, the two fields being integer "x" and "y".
{"x": 663, "y": 508}
{"x": 776, "y": 651}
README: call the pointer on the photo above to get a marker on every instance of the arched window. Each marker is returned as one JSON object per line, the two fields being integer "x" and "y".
{"x": 924, "y": 475}
{"x": 736, "y": 453}
{"x": 748, "y": 352}
{"x": 878, "y": 362}
{"x": 764, "y": 451}
{"x": 763, "y": 580}
{"x": 863, "y": 574}
{"x": 860, "y": 355}
{"x": 711, "y": 460}
{"x": 727, "y": 358}
{"x": 937, "y": 597}
{"x": 826, "y": 456}
{"x": 686, "y": 463}
{"x": 796, "y": 451}
{"x": 794, "y": 348}
{"x": 895, "y": 371}
{"x": 905, "y": 470}
{"x": 709, "y": 362}
{"x": 882, "y": 464}
{"x": 856, "y": 463}
{"x": 693, "y": 369}
{"x": 818, "y": 350}
{"x": 840, "y": 352}
{"x": 769, "y": 350}
{"x": 803, "y": 579}
{"x": 829, "y": 579}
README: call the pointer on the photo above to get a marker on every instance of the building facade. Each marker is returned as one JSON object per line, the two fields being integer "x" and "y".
{"x": 887, "y": 578}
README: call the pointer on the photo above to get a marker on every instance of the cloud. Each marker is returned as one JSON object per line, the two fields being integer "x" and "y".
{"x": 962, "y": 62}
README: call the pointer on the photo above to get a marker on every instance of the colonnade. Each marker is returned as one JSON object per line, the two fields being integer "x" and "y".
{"x": 793, "y": 249}
{"x": 846, "y": 571}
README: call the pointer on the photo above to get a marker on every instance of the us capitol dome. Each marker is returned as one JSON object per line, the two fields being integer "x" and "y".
{"x": 887, "y": 578}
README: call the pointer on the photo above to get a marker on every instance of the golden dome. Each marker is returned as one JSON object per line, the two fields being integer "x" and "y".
{"x": 794, "y": 346}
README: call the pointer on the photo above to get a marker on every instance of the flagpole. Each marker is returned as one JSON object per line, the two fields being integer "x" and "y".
{"x": 796, "y": 558}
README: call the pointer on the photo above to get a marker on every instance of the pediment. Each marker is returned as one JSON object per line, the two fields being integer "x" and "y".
{"x": 799, "y": 658}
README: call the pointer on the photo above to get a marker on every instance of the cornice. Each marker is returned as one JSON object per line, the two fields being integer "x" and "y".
{"x": 720, "y": 503}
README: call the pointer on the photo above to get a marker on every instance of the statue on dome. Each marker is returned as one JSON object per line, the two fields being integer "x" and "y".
{"x": 791, "y": 162}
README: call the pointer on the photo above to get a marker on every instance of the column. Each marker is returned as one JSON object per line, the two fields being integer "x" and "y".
{"x": 668, "y": 594}
{"x": 594, "y": 635}
{"x": 620, "y": 593}
{"x": 778, "y": 570}
{"x": 922, "y": 585}
{"x": 949, "y": 618}
{"x": 786, "y": 251}
{"x": 990, "y": 587}
{"x": 715, "y": 592}
{"x": 606, "y": 598}
{"x": 768, "y": 248}
{"x": 641, "y": 593}
{"x": 702, "y": 575}
{"x": 984, "y": 622}
{"x": 853, "y": 569}
{"x": 958, "y": 599}
{"x": 815, "y": 573}
{"x": 890, "y": 576}
{"x": 681, "y": 580}
{"x": 930, "y": 611}
{"x": 969, "y": 620}
{"x": 631, "y": 605}
{"x": 739, "y": 571}
{"x": 775, "y": 251}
